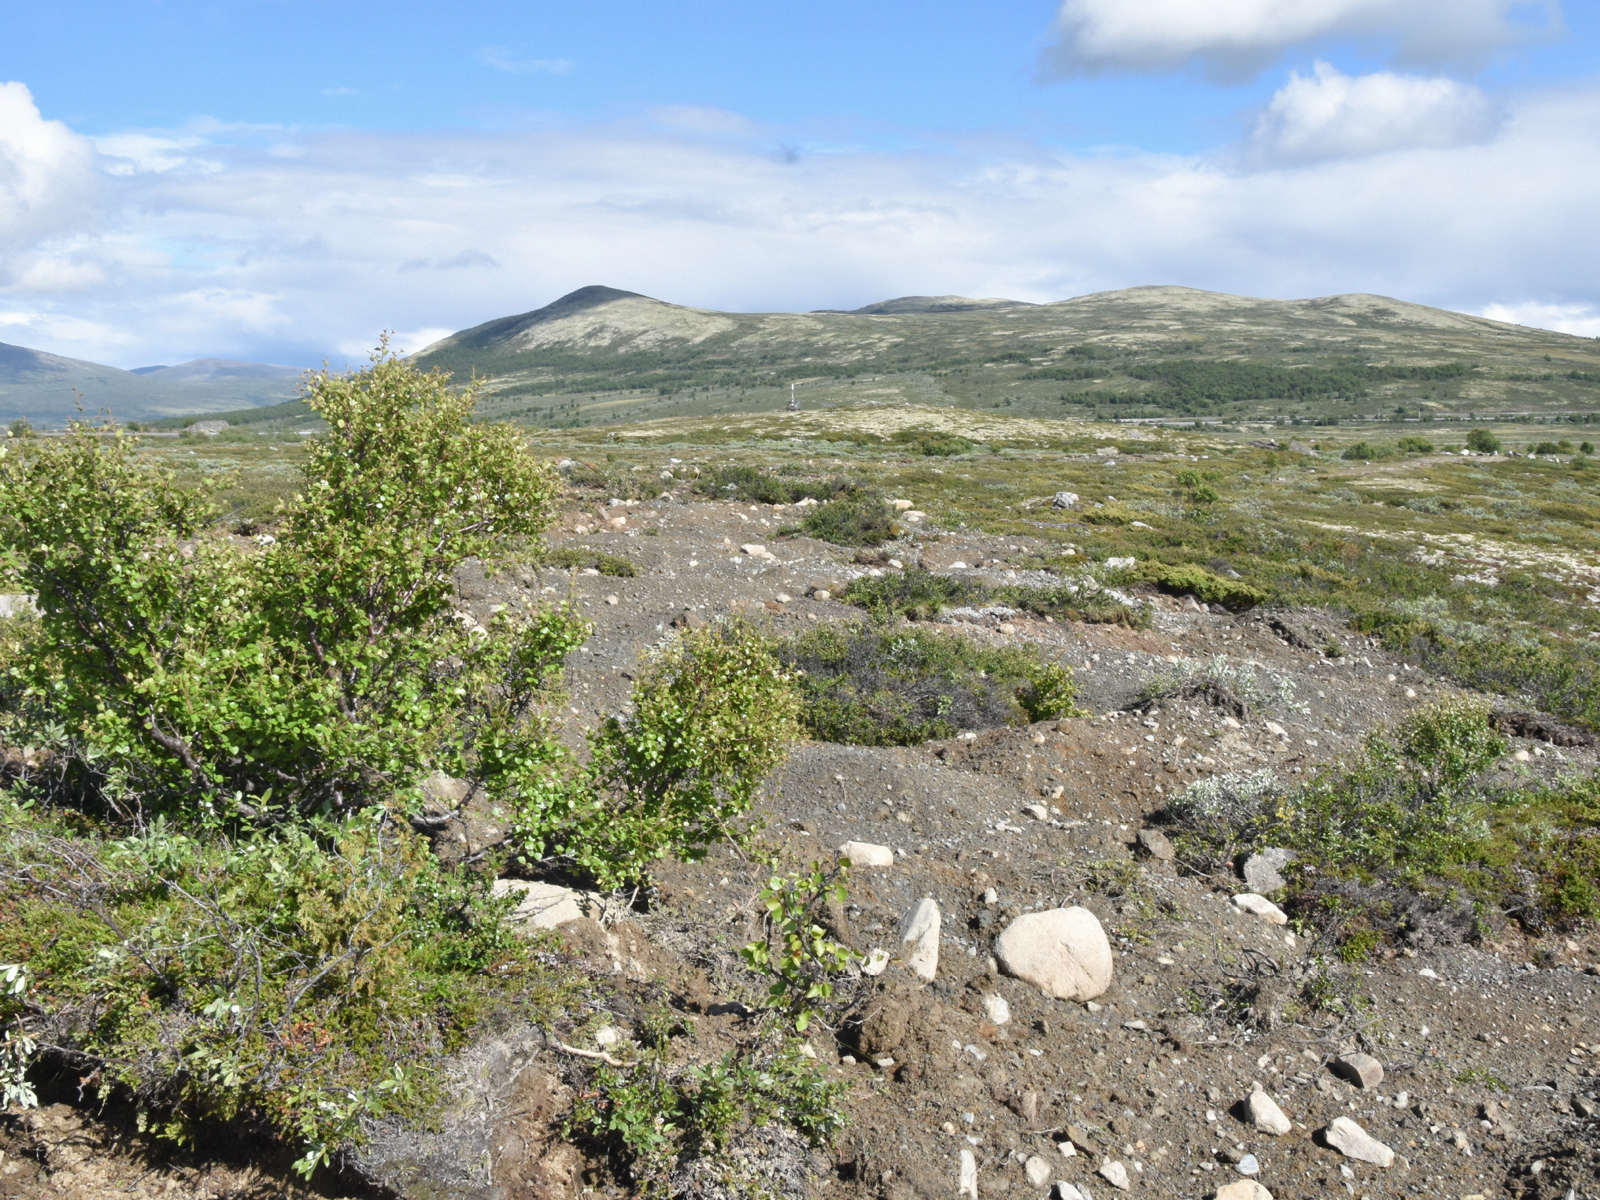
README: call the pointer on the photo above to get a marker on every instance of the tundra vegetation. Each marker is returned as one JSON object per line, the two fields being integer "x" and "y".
{"x": 216, "y": 904}
{"x": 246, "y": 660}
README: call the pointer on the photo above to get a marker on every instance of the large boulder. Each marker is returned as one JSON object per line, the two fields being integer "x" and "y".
{"x": 1063, "y": 952}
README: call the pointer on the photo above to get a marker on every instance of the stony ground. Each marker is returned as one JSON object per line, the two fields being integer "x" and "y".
{"x": 1490, "y": 1052}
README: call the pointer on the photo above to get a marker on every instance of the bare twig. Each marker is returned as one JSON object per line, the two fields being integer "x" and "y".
{"x": 599, "y": 1054}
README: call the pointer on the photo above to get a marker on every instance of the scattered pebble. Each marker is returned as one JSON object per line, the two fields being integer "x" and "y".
{"x": 1262, "y": 907}
{"x": 1266, "y": 1116}
{"x": 867, "y": 854}
{"x": 1115, "y": 1174}
{"x": 1360, "y": 1069}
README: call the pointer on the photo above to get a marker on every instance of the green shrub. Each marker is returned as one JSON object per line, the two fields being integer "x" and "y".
{"x": 853, "y": 518}
{"x": 654, "y": 1114}
{"x": 714, "y": 712}
{"x": 1483, "y": 441}
{"x": 752, "y": 486}
{"x": 579, "y": 558}
{"x": 1545, "y": 448}
{"x": 1364, "y": 451}
{"x": 1232, "y": 594}
{"x": 1452, "y": 739}
{"x": 303, "y": 979}
{"x": 318, "y": 674}
{"x": 1415, "y": 445}
{"x": 1585, "y": 447}
{"x": 876, "y": 684}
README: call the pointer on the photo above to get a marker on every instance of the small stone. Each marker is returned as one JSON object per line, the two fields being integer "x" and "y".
{"x": 1522, "y": 756}
{"x": 1037, "y": 811}
{"x": 1462, "y": 1144}
{"x": 1261, "y": 870}
{"x": 1262, "y": 907}
{"x": 1115, "y": 1174}
{"x": 969, "y": 1175}
{"x": 1352, "y": 1141}
{"x": 539, "y": 905}
{"x": 1584, "y": 1107}
{"x": 783, "y": 598}
{"x": 958, "y": 566}
{"x": 997, "y": 1009}
{"x": 1037, "y": 1171}
{"x": 1266, "y": 1116}
{"x": 1064, "y": 500}
{"x": 822, "y": 594}
{"x": 607, "y": 1035}
{"x": 1156, "y": 845}
{"x": 1065, "y": 1191}
{"x": 867, "y": 854}
{"x": 1062, "y": 952}
{"x": 1360, "y": 1069}
{"x": 1243, "y": 1189}
{"x": 918, "y": 936}
{"x": 876, "y": 962}
{"x": 1068, "y": 1150}
{"x": 901, "y": 505}
{"x": 612, "y": 599}
{"x": 1248, "y": 1165}
{"x": 990, "y": 896}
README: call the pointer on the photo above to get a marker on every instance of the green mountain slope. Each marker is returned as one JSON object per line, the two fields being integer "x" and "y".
{"x": 602, "y": 354}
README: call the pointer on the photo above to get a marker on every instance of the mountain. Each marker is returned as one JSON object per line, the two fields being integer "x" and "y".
{"x": 48, "y": 389}
{"x": 601, "y": 353}
{"x": 205, "y": 370}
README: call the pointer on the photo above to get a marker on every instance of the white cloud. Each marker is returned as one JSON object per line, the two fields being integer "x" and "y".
{"x": 1332, "y": 115}
{"x": 48, "y": 181}
{"x": 1581, "y": 319}
{"x": 502, "y": 59}
{"x": 241, "y": 251}
{"x": 1235, "y": 38}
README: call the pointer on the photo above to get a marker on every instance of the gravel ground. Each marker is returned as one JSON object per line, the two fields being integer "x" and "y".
{"x": 1490, "y": 1052}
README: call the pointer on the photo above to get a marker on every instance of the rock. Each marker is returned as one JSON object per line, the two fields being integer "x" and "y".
{"x": 1461, "y": 1143}
{"x": 1247, "y": 1165}
{"x": 1584, "y": 1107}
{"x": 1261, "y": 906}
{"x": 506, "y": 1101}
{"x": 1064, "y": 500}
{"x": 1065, "y": 1191}
{"x": 866, "y": 854}
{"x": 18, "y": 604}
{"x": 901, "y": 505}
{"x": 1062, "y": 952}
{"x": 688, "y": 619}
{"x": 1261, "y": 870}
{"x": 875, "y": 963}
{"x": 445, "y": 791}
{"x": 822, "y": 594}
{"x": 918, "y": 936}
{"x": 1037, "y": 1171}
{"x": 783, "y": 598}
{"x": 968, "y": 1185}
{"x": 1121, "y": 563}
{"x": 540, "y": 905}
{"x": 1115, "y": 1174}
{"x": 613, "y": 599}
{"x": 1266, "y": 1116}
{"x": 1037, "y": 811}
{"x": 997, "y": 1009}
{"x": 1352, "y": 1141}
{"x": 1360, "y": 1069}
{"x": 1243, "y": 1189}
{"x": 756, "y": 550}
{"x": 1156, "y": 845}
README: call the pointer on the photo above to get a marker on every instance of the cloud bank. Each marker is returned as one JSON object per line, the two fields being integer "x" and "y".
{"x": 1233, "y": 39}
{"x": 282, "y": 245}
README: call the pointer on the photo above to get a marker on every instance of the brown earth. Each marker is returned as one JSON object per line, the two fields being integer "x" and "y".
{"x": 1491, "y": 1051}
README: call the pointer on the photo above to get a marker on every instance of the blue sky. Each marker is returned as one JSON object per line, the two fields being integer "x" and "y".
{"x": 281, "y": 180}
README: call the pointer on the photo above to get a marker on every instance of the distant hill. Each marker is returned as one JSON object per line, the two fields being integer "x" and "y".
{"x": 203, "y": 370}
{"x": 47, "y": 388}
{"x": 1158, "y": 351}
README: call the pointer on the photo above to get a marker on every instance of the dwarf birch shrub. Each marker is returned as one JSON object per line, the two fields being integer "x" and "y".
{"x": 315, "y": 674}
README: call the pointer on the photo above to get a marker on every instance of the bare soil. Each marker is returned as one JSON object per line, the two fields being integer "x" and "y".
{"x": 1491, "y": 1050}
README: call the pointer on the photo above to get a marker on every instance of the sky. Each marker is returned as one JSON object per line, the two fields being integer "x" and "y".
{"x": 281, "y": 181}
